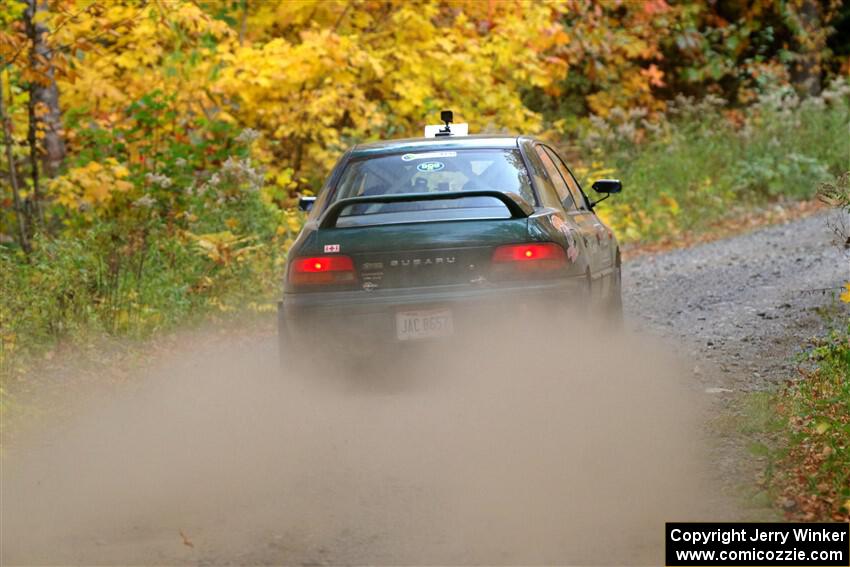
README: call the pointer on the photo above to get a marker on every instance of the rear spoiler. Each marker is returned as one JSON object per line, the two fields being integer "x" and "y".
{"x": 516, "y": 205}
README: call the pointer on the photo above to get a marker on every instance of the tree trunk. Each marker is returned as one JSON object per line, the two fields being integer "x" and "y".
{"x": 13, "y": 176}
{"x": 44, "y": 96}
{"x": 34, "y": 202}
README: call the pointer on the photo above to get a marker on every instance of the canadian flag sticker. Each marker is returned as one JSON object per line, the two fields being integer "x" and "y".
{"x": 331, "y": 247}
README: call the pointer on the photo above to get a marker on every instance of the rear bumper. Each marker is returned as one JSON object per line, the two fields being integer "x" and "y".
{"x": 355, "y": 320}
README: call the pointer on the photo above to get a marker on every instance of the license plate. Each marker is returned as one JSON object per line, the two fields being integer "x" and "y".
{"x": 423, "y": 324}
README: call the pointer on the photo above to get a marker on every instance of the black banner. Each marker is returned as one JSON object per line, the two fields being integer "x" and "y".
{"x": 751, "y": 543}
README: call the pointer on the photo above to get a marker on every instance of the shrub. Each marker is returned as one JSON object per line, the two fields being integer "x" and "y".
{"x": 701, "y": 161}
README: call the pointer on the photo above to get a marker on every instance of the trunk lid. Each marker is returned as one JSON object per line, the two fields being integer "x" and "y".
{"x": 422, "y": 254}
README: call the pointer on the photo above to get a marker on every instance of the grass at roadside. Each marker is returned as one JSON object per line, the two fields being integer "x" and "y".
{"x": 704, "y": 162}
{"x": 803, "y": 430}
{"x": 727, "y": 227}
{"x": 801, "y": 434}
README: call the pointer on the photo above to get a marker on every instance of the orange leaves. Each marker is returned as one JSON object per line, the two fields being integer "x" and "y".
{"x": 616, "y": 48}
{"x": 186, "y": 541}
{"x": 812, "y": 472}
{"x": 653, "y": 7}
{"x": 12, "y": 44}
{"x": 654, "y": 75}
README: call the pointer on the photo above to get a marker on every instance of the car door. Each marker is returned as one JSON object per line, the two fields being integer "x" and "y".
{"x": 604, "y": 237}
{"x": 585, "y": 222}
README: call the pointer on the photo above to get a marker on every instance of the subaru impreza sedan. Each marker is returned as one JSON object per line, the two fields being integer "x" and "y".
{"x": 421, "y": 239}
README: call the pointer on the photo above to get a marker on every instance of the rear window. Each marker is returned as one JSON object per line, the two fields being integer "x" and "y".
{"x": 431, "y": 172}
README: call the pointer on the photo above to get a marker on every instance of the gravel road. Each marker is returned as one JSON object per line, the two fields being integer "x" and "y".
{"x": 468, "y": 455}
{"x": 742, "y": 306}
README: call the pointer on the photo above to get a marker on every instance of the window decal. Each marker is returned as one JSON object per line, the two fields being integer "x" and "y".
{"x": 430, "y": 166}
{"x": 428, "y": 155}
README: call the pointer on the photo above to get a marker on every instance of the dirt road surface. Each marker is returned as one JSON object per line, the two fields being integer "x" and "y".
{"x": 570, "y": 450}
{"x": 745, "y": 305}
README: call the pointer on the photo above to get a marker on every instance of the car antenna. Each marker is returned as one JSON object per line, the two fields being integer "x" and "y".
{"x": 446, "y": 116}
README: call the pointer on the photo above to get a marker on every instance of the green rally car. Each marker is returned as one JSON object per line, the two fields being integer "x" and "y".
{"x": 423, "y": 238}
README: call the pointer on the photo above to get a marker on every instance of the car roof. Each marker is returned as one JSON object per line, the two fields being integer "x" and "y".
{"x": 436, "y": 144}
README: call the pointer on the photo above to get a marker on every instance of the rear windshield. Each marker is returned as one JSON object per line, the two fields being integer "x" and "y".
{"x": 430, "y": 172}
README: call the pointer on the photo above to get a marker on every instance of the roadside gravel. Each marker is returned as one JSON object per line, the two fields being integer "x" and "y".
{"x": 745, "y": 305}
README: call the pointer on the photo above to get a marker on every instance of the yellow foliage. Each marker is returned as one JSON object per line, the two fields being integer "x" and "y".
{"x": 311, "y": 76}
{"x": 845, "y": 295}
{"x": 293, "y": 223}
{"x": 135, "y": 55}
{"x": 223, "y": 247}
{"x": 671, "y": 204}
{"x": 92, "y": 184}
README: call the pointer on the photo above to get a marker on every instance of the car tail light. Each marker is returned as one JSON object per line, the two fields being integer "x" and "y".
{"x": 534, "y": 258}
{"x": 322, "y": 270}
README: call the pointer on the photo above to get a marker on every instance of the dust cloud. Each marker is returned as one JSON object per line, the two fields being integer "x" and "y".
{"x": 568, "y": 448}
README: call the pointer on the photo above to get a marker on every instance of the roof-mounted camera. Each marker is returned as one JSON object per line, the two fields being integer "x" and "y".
{"x": 448, "y": 129}
{"x": 446, "y": 116}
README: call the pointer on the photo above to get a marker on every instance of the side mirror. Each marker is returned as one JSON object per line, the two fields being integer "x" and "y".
{"x": 607, "y": 186}
{"x": 306, "y": 203}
